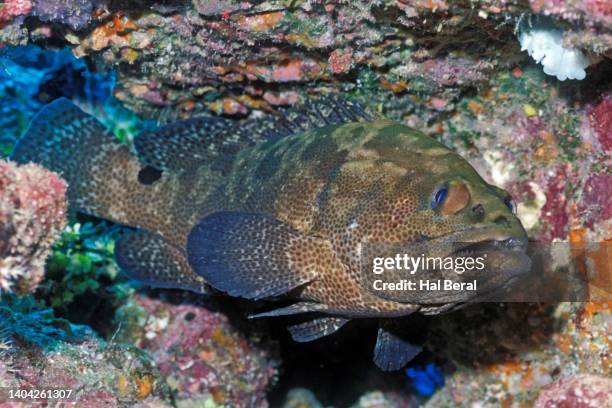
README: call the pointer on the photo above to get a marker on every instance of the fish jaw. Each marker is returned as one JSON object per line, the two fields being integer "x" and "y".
{"x": 503, "y": 255}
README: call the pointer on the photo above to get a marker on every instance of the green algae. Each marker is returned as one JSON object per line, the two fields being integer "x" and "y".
{"x": 82, "y": 264}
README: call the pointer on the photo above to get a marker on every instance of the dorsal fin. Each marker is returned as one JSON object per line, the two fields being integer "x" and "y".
{"x": 185, "y": 143}
{"x": 189, "y": 143}
{"x": 313, "y": 114}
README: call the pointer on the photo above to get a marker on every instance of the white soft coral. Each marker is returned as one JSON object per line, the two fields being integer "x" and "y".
{"x": 545, "y": 45}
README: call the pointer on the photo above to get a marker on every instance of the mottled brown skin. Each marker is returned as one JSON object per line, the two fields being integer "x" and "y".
{"x": 343, "y": 186}
{"x": 339, "y": 186}
{"x": 263, "y": 209}
{"x": 364, "y": 182}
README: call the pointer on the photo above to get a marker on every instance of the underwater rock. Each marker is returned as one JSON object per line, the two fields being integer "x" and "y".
{"x": 201, "y": 355}
{"x": 46, "y": 352}
{"x": 378, "y": 399}
{"x": 508, "y": 354}
{"x": 591, "y": 12}
{"x": 178, "y": 61}
{"x": 301, "y": 398}
{"x": 585, "y": 19}
{"x": 74, "y": 13}
{"x": 32, "y": 214}
{"x": 585, "y": 391}
{"x": 13, "y": 8}
{"x": 601, "y": 119}
{"x": 304, "y": 398}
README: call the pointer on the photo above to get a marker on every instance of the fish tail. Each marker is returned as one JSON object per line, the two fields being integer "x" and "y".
{"x": 64, "y": 139}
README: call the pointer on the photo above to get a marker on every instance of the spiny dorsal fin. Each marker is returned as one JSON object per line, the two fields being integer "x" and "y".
{"x": 325, "y": 111}
{"x": 186, "y": 143}
{"x": 189, "y": 143}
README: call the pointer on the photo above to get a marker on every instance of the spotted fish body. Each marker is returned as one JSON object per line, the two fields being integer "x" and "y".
{"x": 281, "y": 206}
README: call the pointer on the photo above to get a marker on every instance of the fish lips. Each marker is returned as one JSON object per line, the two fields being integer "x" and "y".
{"x": 497, "y": 263}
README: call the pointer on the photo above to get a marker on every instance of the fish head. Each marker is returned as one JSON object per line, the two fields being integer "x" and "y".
{"x": 427, "y": 201}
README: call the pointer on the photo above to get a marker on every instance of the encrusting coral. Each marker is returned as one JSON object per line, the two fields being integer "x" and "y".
{"x": 49, "y": 352}
{"x": 202, "y": 356}
{"x": 32, "y": 214}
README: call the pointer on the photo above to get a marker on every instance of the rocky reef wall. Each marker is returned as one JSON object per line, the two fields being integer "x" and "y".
{"x": 454, "y": 70}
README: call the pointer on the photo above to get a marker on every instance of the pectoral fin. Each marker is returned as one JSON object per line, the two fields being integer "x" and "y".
{"x": 253, "y": 255}
{"x": 317, "y": 328}
{"x": 149, "y": 258}
{"x": 392, "y": 352}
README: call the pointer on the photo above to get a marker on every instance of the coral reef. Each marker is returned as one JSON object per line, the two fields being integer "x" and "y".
{"x": 377, "y": 399}
{"x": 451, "y": 69}
{"x": 515, "y": 354}
{"x": 46, "y": 352}
{"x": 301, "y": 398}
{"x": 588, "y": 391}
{"x": 73, "y": 13}
{"x": 201, "y": 355}
{"x": 32, "y": 214}
{"x": 31, "y": 77}
{"x": 234, "y": 57}
{"x": 304, "y": 398}
{"x": 13, "y": 8}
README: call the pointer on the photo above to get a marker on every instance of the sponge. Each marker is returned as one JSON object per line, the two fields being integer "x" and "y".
{"x": 545, "y": 45}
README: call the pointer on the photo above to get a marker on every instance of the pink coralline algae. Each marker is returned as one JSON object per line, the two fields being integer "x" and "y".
{"x": 595, "y": 203}
{"x": 601, "y": 119}
{"x": 554, "y": 213}
{"x": 449, "y": 72}
{"x": 13, "y": 8}
{"x": 592, "y": 11}
{"x": 341, "y": 61}
{"x": 583, "y": 391}
{"x": 32, "y": 214}
{"x": 201, "y": 355}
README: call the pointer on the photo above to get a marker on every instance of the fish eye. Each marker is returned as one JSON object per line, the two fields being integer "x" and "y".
{"x": 510, "y": 204}
{"x": 439, "y": 196}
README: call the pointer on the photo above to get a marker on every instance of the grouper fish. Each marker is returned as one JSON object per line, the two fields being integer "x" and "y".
{"x": 291, "y": 206}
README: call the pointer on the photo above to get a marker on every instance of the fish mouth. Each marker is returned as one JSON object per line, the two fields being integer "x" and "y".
{"x": 504, "y": 259}
{"x": 509, "y": 244}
